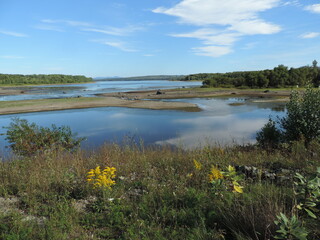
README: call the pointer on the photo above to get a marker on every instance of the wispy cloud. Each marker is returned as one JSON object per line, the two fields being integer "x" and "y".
{"x": 292, "y": 3}
{"x": 310, "y": 35}
{"x": 11, "y": 57}
{"x": 212, "y": 51}
{"x": 114, "y": 30}
{"x": 13, "y": 34}
{"x": 237, "y": 18}
{"x": 315, "y": 8}
{"x": 59, "y": 25}
{"x": 49, "y": 27}
{"x": 62, "y": 25}
{"x": 123, "y": 46}
{"x": 67, "y": 22}
{"x": 211, "y": 36}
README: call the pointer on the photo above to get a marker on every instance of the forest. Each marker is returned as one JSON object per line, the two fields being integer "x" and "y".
{"x": 17, "y": 79}
{"x": 280, "y": 76}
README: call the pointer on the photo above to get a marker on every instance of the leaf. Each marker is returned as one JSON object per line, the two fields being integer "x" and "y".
{"x": 238, "y": 189}
{"x": 310, "y": 213}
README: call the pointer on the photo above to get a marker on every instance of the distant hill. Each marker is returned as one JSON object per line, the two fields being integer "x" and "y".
{"x": 149, "y": 77}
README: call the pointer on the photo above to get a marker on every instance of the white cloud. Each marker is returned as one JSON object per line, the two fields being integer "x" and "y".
{"x": 315, "y": 8}
{"x": 114, "y": 31}
{"x": 116, "y": 44}
{"x": 48, "y": 27}
{"x": 257, "y": 26}
{"x": 238, "y": 18}
{"x": 211, "y": 36}
{"x": 292, "y": 3}
{"x": 67, "y": 22}
{"x": 310, "y": 35}
{"x": 86, "y": 26}
{"x": 205, "y": 12}
{"x": 212, "y": 51}
{"x": 14, "y": 34}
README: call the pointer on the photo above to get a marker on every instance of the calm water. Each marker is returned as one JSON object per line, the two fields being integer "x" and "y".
{"x": 90, "y": 89}
{"x": 218, "y": 123}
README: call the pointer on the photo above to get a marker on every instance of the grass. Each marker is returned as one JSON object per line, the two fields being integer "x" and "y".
{"x": 159, "y": 194}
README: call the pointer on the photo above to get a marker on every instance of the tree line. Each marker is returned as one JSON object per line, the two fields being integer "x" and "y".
{"x": 280, "y": 76}
{"x": 17, "y": 79}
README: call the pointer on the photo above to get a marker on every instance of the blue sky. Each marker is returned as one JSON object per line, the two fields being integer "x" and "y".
{"x": 148, "y": 37}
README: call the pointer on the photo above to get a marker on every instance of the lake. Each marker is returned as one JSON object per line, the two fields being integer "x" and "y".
{"x": 219, "y": 123}
{"x": 91, "y": 89}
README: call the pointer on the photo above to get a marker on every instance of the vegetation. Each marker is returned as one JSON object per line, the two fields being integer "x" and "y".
{"x": 240, "y": 192}
{"x": 17, "y": 79}
{"x": 302, "y": 121}
{"x": 278, "y": 77}
{"x": 27, "y": 139}
{"x": 161, "y": 193}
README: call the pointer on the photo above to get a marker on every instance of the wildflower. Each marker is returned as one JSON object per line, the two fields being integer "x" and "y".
{"x": 197, "y": 165}
{"x": 215, "y": 174}
{"x": 102, "y": 178}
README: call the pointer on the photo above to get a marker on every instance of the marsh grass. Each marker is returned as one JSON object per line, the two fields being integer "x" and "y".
{"x": 159, "y": 194}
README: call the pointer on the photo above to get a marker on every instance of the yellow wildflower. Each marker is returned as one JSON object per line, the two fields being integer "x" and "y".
{"x": 102, "y": 178}
{"x": 215, "y": 174}
{"x": 197, "y": 165}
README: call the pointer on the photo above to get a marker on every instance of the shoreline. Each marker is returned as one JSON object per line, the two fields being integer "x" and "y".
{"x": 139, "y": 99}
{"x": 42, "y": 105}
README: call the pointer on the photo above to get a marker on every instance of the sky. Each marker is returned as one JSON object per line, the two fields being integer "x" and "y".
{"x": 105, "y": 38}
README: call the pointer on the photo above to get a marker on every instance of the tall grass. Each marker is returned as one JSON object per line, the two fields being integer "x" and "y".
{"x": 159, "y": 194}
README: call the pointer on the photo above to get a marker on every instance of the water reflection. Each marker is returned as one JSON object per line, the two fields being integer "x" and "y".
{"x": 90, "y": 89}
{"x": 218, "y": 123}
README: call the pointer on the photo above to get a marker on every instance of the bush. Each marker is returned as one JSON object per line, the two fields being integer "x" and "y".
{"x": 302, "y": 121}
{"x": 269, "y": 136}
{"x": 27, "y": 139}
{"x": 303, "y": 116}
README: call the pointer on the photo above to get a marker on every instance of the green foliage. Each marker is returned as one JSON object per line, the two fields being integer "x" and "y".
{"x": 15, "y": 79}
{"x": 269, "y": 136}
{"x": 302, "y": 121}
{"x": 290, "y": 229}
{"x": 303, "y": 116}
{"x": 27, "y": 139}
{"x": 280, "y": 76}
{"x": 308, "y": 193}
{"x": 160, "y": 193}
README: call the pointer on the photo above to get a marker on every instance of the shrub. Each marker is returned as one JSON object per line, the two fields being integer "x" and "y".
{"x": 27, "y": 139}
{"x": 303, "y": 116}
{"x": 269, "y": 136}
{"x": 302, "y": 121}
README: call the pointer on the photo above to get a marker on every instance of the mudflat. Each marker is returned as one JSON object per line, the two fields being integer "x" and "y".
{"x": 11, "y": 107}
{"x": 137, "y": 99}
